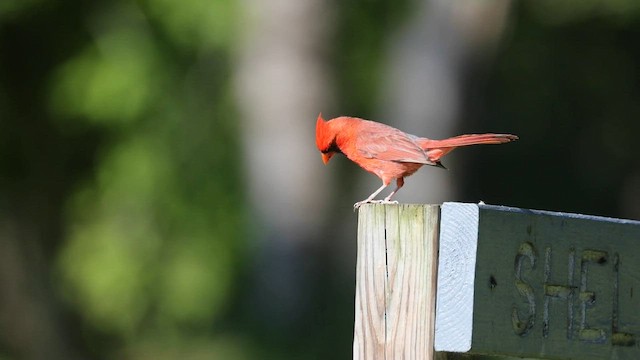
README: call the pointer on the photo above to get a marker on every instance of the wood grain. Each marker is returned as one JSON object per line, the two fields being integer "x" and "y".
{"x": 456, "y": 277}
{"x": 396, "y": 281}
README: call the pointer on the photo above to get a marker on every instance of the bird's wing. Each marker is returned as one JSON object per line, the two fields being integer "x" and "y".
{"x": 390, "y": 144}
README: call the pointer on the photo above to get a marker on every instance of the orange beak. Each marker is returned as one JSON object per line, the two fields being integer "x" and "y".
{"x": 326, "y": 157}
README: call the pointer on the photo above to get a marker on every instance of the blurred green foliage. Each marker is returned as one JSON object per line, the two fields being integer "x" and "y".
{"x": 154, "y": 235}
{"x": 119, "y": 147}
{"x": 90, "y": 85}
{"x": 358, "y": 56}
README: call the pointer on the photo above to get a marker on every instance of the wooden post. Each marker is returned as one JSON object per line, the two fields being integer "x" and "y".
{"x": 510, "y": 282}
{"x": 396, "y": 281}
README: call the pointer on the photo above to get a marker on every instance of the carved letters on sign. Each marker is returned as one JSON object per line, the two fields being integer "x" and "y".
{"x": 579, "y": 293}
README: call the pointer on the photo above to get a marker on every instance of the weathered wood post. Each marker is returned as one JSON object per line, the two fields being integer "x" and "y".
{"x": 396, "y": 281}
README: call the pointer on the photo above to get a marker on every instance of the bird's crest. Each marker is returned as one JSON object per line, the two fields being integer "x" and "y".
{"x": 324, "y": 138}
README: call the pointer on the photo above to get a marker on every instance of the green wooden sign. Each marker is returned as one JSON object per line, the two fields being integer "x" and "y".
{"x": 537, "y": 284}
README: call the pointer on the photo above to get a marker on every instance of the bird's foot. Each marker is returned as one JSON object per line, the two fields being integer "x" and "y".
{"x": 385, "y": 202}
{"x": 360, "y": 203}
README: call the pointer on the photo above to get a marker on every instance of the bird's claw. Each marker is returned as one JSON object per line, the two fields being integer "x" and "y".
{"x": 360, "y": 203}
{"x": 385, "y": 202}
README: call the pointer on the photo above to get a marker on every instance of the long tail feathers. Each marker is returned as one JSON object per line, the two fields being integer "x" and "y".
{"x": 436, "y": 149}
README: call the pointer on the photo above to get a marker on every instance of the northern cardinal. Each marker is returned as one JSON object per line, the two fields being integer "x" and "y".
{"x": 386, "y": 151}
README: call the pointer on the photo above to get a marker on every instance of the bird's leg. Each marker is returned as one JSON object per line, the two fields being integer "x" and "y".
{"x": 370, "y": 198}
{"x": 399, "y": 184}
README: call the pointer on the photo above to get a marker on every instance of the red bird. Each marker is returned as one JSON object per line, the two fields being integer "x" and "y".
{"x": 388, "y": 152}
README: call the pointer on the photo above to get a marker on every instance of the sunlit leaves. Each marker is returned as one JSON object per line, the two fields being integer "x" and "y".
{"x": 112, "y": 252}
{"x": 195, "y": 280}
{"x": 112, "y": 81}
{"x": 148, "y": 240}
{"x": 106, "y": 264}
{"x": 196, "y": 23}
{"x": 149, "y": 247}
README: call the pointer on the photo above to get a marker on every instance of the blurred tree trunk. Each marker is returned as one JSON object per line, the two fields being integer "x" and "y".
{"x": 430, "y": 59}
{"x": 281, "y": 82}
{"x": 30, "y": 320}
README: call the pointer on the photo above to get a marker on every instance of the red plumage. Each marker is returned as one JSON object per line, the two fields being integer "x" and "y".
{"x": 386, "y": 151}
